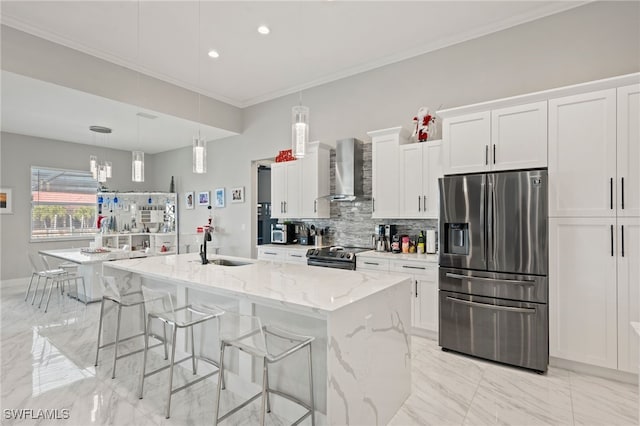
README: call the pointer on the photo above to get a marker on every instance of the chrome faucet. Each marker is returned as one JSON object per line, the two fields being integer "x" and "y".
{"x": 207, "y": 237}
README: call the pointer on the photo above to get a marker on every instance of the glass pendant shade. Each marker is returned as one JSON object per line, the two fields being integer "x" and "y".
{"x": 199, "y": 155}
{"x": 93, "y": 166}
{"x": 102, "y": 173}
{"x": 299, "y": 130}
{"x": 108, "y": 169}
{"x": 137, "y": 166}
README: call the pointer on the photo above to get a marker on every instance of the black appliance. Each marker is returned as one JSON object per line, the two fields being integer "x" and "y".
{"x": 334, "y": 257}
{"x": 283, "y": 233}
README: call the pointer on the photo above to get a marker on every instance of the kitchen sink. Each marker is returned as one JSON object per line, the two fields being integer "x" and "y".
{"x": 225, "y": 262}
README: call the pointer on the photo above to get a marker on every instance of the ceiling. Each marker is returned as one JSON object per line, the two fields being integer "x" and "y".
{"x": 311, "y": 42}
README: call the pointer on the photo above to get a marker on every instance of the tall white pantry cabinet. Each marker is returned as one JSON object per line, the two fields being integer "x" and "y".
{"x": 594, "y": 224}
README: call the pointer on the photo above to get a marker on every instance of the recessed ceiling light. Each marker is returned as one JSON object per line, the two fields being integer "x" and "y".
{"x": 264, "y": 30}
{"x": 214, "y": 54}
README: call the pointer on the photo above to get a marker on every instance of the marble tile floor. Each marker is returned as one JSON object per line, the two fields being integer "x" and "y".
{"x": 47, "y": 363}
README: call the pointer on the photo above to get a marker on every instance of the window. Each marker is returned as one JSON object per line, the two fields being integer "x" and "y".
{"x": 63, "y": 203}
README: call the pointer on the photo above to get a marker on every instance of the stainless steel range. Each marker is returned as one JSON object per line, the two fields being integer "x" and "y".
{"x": 334, "y": 257}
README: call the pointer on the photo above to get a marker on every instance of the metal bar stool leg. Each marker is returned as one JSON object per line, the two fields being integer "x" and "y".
{"x": 144, "y": 357}
{"x": 220, "y": 380}
{"x": 115, "y": 347}
{"x": 312, "y": 404}
{"x": 49, "y": 296}
{"x": 44, "y": 290}
{"x": 193, "y": 352}
{"x": 173, "y": 358}
{"x": 265, "y": 380}
{"x": 100, "y": 330}
{"x": 164, "y": 332}
{"x": 26, "y": 296}
{"x": 268, "y": 399}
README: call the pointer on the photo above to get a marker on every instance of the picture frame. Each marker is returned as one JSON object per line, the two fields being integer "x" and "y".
{"x": 189, "y": 202}
{"x": 203, "y": 198}
{"x": 6, "y": 201}
{"x": 237, "y": 194}
{"x": 218, "y": 201}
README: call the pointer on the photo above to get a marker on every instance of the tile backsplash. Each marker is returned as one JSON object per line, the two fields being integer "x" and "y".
{"x": 351, "y": 223}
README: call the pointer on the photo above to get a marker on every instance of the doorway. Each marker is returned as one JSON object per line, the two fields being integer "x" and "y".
{"x": 261, "y": 214}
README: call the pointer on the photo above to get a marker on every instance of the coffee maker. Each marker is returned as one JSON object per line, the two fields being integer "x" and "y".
{"x": 383, "y": 235}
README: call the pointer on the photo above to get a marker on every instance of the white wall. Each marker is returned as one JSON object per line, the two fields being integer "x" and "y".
{"x": 595, "y": 41}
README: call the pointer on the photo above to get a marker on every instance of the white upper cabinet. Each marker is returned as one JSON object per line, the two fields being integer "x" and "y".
{"x": 385, "y": 170}
{"x": 314, "y": 174}
{"x": 467, "y": 139}
{"x": 297, "y": 187}
{"x": 582, "y": 155}
{"x": 519, "y": 137}
{"x": 420, "y": 168}
{"x": 509, "y": 138}
{"x": 628, "y": 149}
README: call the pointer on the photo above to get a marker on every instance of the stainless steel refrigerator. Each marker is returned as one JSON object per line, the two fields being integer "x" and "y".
{"x": 493, "y": 287}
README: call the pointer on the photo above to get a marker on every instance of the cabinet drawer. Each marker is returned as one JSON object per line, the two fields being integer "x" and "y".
{"x": 373, "y": 264}
{"x": 424, "y": 270}
{"x": 296, "y": 256}
{"x": 277, "y": 255}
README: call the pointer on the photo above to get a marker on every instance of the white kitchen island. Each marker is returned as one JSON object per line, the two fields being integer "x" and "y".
{"x": 361, "y": 322}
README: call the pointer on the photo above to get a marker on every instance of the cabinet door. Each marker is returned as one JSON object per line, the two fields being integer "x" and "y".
{"x": 629, "y": 151}
{"x": 293, "y": 201}
{"x": 519, "y": 137}
{"x": 466, "y": 143}
{"x": 582, "y": 290}
{"x": 385, "y": 177}
{"x": 431, "y": 172}
{"x": 278, "y": 189}
{"x": 315, "y": 184}
{"x": 628, "y": 292}
{"x": 411, "y": 178}
{"x": 582, "y": 155}
{"x": 309, "y": 193}
{"x": 426, "y": 304}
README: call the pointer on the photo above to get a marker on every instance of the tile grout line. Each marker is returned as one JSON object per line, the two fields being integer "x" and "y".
{"x": 573, "y": 415}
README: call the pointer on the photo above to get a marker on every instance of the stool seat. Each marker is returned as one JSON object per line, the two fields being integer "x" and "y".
{"x": 244, "y": 343}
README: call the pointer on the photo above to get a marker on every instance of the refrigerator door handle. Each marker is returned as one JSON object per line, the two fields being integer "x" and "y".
{"x": 494, "y": 307}
{"x": 519, "y": 282}
{"x": 491, "y": 226}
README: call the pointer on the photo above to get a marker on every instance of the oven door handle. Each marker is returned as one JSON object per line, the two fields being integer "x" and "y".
{"x": 520, "y": 282}
{"x": 494, "y": 307}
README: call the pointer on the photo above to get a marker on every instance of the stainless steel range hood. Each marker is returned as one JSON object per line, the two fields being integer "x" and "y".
{"x": 349, "y": 173}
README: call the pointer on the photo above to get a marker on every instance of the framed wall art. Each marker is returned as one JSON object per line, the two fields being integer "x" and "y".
{"x": 219, "y": 198}
{"x": 189, "y": 202}
{"x": 237, "y": 195}
{"x": 6, "y": 201}
{"x": 203, "y": 198}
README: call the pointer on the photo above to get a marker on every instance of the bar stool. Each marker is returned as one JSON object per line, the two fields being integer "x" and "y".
{"x": 250, "y": 336}
{"x": 111, "y": 293}
{"x": 159, "y": 306}
{"x": 40, "y": 271}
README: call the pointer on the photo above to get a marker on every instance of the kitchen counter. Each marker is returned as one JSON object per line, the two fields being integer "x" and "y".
{"x": 432, "y": 258}
{"x": 360, "y": 321}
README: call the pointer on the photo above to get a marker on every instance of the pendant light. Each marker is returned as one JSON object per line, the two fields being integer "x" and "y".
{"x": 199, "y": 144}
{"x": 101, "y": 171}
{"x": 299, "y": 129}
{"x": 137, "y": 157}
{"x": 137, "y": 166}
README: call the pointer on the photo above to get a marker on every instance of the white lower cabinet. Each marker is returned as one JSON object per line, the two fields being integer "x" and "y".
{"x": 424, "y": 301}
{"x": 284, "y": 254}
{"x": 424, "y": 287}
{"x": 593, "y": 290}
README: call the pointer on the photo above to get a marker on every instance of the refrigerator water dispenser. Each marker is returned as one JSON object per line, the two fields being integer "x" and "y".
{"x": 456, "y": 238}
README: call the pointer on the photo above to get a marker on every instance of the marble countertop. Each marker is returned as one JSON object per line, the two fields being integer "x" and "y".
{"x": 76, "y": 256}
{"x": 432, "y": 258}
{"x": 302, "y": 286}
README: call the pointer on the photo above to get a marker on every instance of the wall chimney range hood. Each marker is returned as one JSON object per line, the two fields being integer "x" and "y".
{"x": 349, "y": 173}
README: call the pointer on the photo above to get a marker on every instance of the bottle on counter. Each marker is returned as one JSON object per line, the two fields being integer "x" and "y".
{"x": 405, "y": 244}
{"x": 421, "y": 243}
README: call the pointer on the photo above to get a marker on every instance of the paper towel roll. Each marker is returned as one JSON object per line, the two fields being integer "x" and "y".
{"x": 431, "y": 241}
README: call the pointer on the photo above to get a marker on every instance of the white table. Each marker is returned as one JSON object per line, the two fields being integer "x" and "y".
{"x": 361, "y": 322}
{"x": 90, "y": 267}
